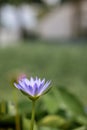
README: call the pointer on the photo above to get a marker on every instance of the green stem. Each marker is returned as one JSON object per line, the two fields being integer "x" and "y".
{"x": 33, "y": 115}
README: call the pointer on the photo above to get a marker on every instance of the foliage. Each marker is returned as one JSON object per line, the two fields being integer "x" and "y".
{"x": 64, "y": 117}
{"x": 18, "y": 1}
{"x": 64, "y": 65}
{"x": 63, "y": 107}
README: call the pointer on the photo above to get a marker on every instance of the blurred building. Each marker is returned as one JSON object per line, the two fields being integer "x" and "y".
{"x": 63, "y": 22}
{"x": 17, "y": 22}
{"x": 60, "y": 21}
{"x": 57, "y": 23}
{"x": 9, "y": 30}
{"x": 27, "y": 18}
{"x": 51, "y": 2}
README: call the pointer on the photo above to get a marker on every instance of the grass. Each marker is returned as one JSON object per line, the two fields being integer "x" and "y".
{"x": 65, "y": 65}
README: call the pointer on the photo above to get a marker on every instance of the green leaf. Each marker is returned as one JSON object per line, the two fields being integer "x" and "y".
{"x": 53, "y": 121}
{"x": 48, "y": 128}
{"x": 81, "y": 128}
{"x": 49, "y": 103}
{"x": 81, "y": 119}
{"x": 25, "y": 106}
{"x": 73, "y": 105}
{"x": 26, "y": 124}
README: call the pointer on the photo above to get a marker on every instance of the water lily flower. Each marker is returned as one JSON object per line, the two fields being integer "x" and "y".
{"x": 33, "y": 88}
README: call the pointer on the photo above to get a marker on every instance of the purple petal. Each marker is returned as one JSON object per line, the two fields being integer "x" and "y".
{"x": 22, "y": 84}
{"x": 32, "y": 81}
{"x": 36, "y": 78}
{"x": 43, "y": 81}
{"x": 27, "y": 82}
{"x": 27, "y": 89}
{"x": 35, "y": 89}
{"x": 41, "y": 85}
{"x": 37, "y": 81}
{"x": 45, "y": 87}
{"x": 17, "y": 86}
{"x": 30, "y": 90}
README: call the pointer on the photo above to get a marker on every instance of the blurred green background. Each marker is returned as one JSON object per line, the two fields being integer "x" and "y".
{"x": 64, "y": 107}
{"x": 65, "y": 65}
